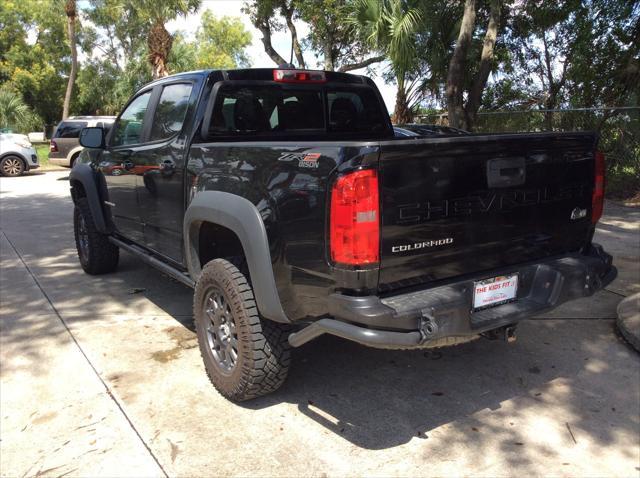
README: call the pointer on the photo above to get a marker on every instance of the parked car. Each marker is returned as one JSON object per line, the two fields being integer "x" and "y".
{"x": 432, "y": 129}
{"x": 37, "y": 137}
{"x": 293, "y": 211}
{"x": 17, "y": 155}
{"x": 65, "y": 147}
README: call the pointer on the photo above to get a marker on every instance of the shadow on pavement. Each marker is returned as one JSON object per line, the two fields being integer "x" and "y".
{"x": 374, "y": 399}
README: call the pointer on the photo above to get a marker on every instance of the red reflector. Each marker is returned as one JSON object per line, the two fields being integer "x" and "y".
{"x": 53, "y": 147}
{"x": 597, "y": 199}
{"x": 355, "y": 219}
{"x": 299, "y": 76}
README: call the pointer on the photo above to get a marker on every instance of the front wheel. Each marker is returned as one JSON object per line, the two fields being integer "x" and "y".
{"x": 97, "y": 255}
{"x": 12, "y": 166}
{"x": 245, "y": 356}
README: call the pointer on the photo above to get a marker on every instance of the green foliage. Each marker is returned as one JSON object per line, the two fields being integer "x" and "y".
{"x": 105, "y": 85}
{"x": 220, "y": 43}
{"x": 34, "y": 54}
{"x": 389, "y": 26}
{"x": 102, "y": 88}
{"x": 575, "y": 53}
{"x": 122, "y": 30}
{"x": 331, "y": 35}
{"x": 152, "y": 10}
{"x": 15, "y": 114}
{"x": 223, "y": 42}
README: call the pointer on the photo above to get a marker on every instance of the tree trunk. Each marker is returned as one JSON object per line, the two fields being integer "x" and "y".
{"x": 266, "y": 42}
{"x": 455, "y": 76}
{"x": 70, "y": 10}
{"x": 362, "y": 64}
{"x": 329, "y": 63}
{"x": 295, "y": 44}
{"x": 486, "y": 64}
{"x": 550, "y": 102}
{"x": 159, "y": 43}
{"x": 402, "y": 114}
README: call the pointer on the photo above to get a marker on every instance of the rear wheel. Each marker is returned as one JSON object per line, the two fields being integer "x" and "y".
{"x": 245, "y": 356}
{"x": 12, "y": 166}
{"x": 97, "y": 255}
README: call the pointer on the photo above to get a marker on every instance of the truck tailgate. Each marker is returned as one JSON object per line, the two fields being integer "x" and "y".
{"x": 461, "y": 205}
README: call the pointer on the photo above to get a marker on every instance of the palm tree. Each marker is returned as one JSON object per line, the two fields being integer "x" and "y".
{"x": 159, "y": 40}
{"x": 390, "y": 27}
{"x": 15, "y": 113}
{"x": 70, "y": 10}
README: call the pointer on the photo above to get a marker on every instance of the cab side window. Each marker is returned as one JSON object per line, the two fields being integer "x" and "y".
{"x": 171, "y": 111}
{"x": 128, "y": 129}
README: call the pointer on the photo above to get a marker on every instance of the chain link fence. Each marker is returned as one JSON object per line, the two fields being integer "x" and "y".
{"x": 619, "y": 130}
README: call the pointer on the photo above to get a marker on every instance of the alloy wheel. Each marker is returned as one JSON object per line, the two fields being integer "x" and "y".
{"x": 221, "y": 330}
{"x": 12, "y": 167}
{"x": 83, "y": 239}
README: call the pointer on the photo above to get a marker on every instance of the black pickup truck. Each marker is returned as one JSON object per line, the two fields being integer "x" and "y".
{"x": 284, "y": 199}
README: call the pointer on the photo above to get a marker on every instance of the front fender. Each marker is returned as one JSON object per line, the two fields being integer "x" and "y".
{"x": 83, "y": 175}
{"x": 243, "y": 218}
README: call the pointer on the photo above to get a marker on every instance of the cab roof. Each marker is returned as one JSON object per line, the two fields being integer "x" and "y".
{"x": 261, "y": 74}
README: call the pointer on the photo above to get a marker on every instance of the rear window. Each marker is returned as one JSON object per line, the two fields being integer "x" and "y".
{"x": 293, "y": 110}
{"x": 69, "y": 129}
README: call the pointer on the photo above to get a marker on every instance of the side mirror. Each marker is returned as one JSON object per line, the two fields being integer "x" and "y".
{"x": 92, "y": 138}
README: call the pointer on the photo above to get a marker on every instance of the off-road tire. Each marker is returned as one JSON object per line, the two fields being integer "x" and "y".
{"x": 263, "y": 351}
{"x": 12, "y": 166}
{"x": 100, "y": 256}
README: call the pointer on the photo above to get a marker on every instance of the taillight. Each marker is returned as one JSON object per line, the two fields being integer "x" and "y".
{"x": 597, "y": 199}
{"x": 355, "y": 219}
{"x": 53, "y": 147}
{"x": 299, "y": 76}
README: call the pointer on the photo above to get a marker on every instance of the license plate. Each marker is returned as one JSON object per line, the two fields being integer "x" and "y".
{"x": 494, "y": 291}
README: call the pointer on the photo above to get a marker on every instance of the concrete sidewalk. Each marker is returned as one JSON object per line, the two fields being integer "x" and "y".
{"x": 58, "y": 417}
{"x": 563, "y": 400}
{"x": 629, "y": 320}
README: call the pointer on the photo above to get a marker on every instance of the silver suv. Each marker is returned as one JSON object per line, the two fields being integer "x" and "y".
{"x": 65, "y": 147}
{"x": 17, "y": 155}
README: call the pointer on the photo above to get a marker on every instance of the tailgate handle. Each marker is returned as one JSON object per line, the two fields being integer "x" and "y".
{"x": 508, "y": 172}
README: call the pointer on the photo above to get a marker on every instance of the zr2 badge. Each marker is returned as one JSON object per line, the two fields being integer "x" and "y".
{"x": 305, "y": 160}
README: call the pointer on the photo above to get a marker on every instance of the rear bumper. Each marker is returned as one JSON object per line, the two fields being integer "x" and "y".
{"x": 63, "y": 161}
{"x": 437, "y": 315}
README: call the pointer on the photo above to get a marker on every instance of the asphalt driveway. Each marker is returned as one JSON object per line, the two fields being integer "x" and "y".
{"x": 101, "y": 376}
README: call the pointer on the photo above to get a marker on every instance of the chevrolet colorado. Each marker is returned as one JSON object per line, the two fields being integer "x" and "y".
{"x": 285, "y": 200}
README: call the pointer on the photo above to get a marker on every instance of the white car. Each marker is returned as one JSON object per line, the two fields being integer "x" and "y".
{"x": 17, "y": 155}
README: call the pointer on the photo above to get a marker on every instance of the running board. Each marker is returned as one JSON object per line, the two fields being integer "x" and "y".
{"x": 154, "y": 262}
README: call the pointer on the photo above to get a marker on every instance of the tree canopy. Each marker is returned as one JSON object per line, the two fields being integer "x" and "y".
{"x": 464, "y": 56}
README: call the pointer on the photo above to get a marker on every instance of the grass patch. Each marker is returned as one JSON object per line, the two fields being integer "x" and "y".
{"x": 42, "y": 150}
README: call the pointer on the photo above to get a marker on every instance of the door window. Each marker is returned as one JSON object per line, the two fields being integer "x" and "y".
{"x": 171, "y": 111}
{"x": 128, "y": 129}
